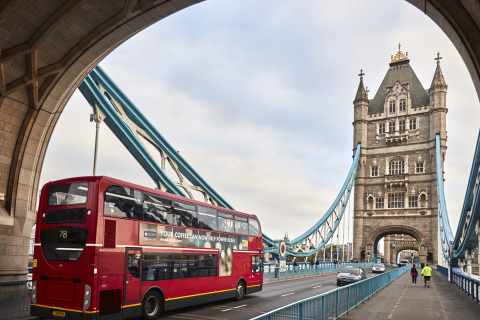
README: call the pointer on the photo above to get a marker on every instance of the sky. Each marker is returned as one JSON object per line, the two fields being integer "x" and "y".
{"x": 258, "y": 97}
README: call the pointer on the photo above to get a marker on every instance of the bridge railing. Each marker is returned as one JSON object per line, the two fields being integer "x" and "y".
{"x": 468, "y": 283}
{"x": 304, "y": 270}
{"x": 15, "y": 296}
{"x": 335, "y": 303}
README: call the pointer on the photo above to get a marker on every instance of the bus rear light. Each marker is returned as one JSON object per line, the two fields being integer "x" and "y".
{"x": 86, "y": 298}
{"x": 34, "y": 292}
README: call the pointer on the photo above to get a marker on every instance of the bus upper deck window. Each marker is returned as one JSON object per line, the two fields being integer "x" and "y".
{"x": 123, "y": 202}
{"x": 68, "y": 194}
{"x": 254, "y": 227}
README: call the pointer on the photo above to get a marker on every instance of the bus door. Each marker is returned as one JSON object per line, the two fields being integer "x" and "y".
{"x": 257, "y": 270}
{"x": 133, "y": 272}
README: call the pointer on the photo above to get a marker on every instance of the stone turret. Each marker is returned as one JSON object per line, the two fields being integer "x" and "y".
{"x": 360, "y": 114}
{"x": 438, "y": 102}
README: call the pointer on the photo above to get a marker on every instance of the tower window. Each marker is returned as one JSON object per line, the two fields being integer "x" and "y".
{"x": 379, "y": 203}
{"x": 375, "y": 171}
{"x": 413, "y": 124}
{"x": 381, "y": 128}
{"x": 391, "y": 106}
{"x": 401, "y": 125}
{"x": 391, "y": 127}
{"x": 396, "y": 200}
{"x": 419, "y": 167}
{"x": 413, "y": 202}
{"x": 397, "y": 166}
{"x": 403, "y": 105}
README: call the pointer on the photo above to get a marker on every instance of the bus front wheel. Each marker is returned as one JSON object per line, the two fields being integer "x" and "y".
{"x": 240, "y": 290}
{"x": 152, "y": 306}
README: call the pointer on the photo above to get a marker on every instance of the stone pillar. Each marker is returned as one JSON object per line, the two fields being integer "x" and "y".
{"x": 369, "y": 253}
{"x": 461, "y": 264}
{"x": 468, "y": 255}
{"x": 422, "y": 257}
{"x": 387, "y": 249}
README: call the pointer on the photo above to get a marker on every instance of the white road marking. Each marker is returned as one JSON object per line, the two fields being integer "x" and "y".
{"x": 239, "y": 306}
{"x": 284, "y": 295}
{"x": 227, "y": 310}
{"x": 318, "y": 286}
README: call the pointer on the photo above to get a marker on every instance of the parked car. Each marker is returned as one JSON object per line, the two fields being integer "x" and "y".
{"x": 378, "y": 268}
{"x": 350, "y": 275}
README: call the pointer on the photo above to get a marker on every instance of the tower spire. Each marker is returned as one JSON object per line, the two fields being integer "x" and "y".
{"x": 438, "y": 81}
{"x": 361, "y": 92}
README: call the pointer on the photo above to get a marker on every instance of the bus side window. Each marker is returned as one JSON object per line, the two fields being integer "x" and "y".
{"x": 185, "y": 214}
{"x": 207, "y": 218}
{"x": 156, "y": 209}
{"x": 241, "y": 225}
{"x": 225, "y": 222}
{"x": 122, "y": 202}
{"x": 254, "y": 227}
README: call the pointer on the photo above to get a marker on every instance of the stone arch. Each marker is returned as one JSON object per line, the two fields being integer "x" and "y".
{"x": 381, "y": 232}
{"x": 397, "y": 250}
{"x": 378, "y": 233}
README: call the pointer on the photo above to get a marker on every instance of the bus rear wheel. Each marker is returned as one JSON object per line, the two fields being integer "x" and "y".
{"x": 152, "y": 306}
{"x": 240, "y": 293}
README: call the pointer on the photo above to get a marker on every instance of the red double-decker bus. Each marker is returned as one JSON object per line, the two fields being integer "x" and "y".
{"x": 108, "y": 249}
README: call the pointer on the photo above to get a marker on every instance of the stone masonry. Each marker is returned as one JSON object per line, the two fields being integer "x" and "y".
{"x": 395, "y": 186}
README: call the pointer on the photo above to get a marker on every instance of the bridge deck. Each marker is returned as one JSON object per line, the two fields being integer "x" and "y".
{"x": 400, "y": 300}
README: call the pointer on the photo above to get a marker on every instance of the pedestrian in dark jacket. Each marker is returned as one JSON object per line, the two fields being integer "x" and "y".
{"x": 414, "y": 274}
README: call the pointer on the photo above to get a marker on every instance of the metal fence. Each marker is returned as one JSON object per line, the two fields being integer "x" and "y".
{"x": 442, "y": 269}
{"x": 468, "y": 283}
{"x": 335, "y": 303}
{"x": 304, "y": 270}
{"x": 15, "y": 296}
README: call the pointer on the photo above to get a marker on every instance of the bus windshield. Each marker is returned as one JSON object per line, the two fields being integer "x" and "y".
{"x": 68, "y": 194}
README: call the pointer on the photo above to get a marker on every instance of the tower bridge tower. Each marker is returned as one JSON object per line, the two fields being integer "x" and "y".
{"x": 395, "y": 186}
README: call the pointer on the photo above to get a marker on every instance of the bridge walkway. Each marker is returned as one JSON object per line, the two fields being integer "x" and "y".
{"x": 400, "y": 301}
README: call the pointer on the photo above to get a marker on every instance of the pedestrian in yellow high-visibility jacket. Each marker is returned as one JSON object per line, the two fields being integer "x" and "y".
{"x": 427, "y": 273}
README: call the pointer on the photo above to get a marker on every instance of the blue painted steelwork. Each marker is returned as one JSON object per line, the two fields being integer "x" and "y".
{"x": 446, "y": 235}
{"x": 102, "y": 93}
{"x": 468, "y": 283}
{"x": 130, "y": 126}
{"x": 466, "y": 238}
{"x": 318, "y": 235}
{"x": 335, "y": 303}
